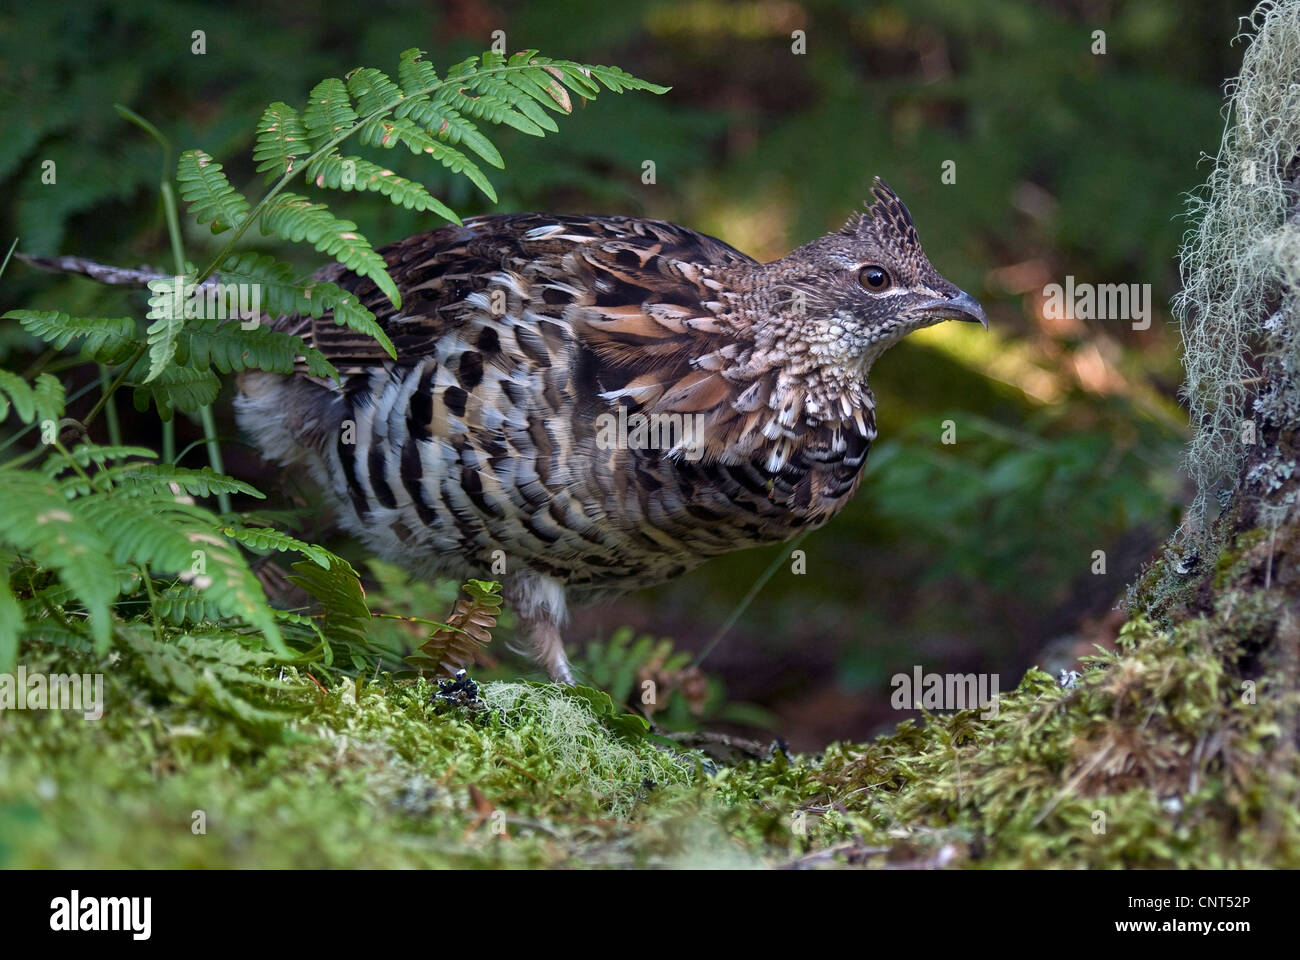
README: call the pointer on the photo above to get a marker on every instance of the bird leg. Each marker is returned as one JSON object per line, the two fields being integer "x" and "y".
{"x": 539, "y": 605}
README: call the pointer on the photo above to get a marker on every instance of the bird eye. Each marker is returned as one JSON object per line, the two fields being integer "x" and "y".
{"x": 874, "y": 278}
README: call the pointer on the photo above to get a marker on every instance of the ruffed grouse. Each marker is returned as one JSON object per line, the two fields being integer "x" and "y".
{"x": 496, "y": 438}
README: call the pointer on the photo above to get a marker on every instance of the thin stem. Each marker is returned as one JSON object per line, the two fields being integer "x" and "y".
{"x": 741, "y": 607}
{"x": 214, "y": 452}
{"x": 103, "y": 397}
{"x": 173, "y": 220}
{"x": 153, "y": 601}
{"x": 110, "y": 411}
{"x": 72, "y": 462}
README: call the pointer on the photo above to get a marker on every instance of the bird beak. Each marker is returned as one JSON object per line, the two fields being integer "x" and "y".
{"x": 961, "y": 307}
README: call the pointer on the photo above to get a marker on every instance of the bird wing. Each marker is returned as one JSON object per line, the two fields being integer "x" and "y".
{"x": 625, "y": 308}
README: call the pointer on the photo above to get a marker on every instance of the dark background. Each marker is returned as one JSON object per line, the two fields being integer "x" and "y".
{"x": 975, "y": 556}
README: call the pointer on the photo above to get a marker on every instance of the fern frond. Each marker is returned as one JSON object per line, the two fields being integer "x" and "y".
{"x": 284, "y": 294}
{"x": 467, "y": 631}
{"x": 296, "y": 218}
{"x": 281, "y": 140}
{"x": 133, "y": 479}
{"x": 15, "y": 392}
{"x": 373, "y": 90}
{"x": 165, "y": 533}
{"x": 266, "y": 539}
{"x": 500, "y": 86}
{"x": 41, "y": 522}
{"x": 181, "y": 605}
{"x": 618, "y": 80}
{"x": 108, "y": 340}
{"x": 539, "y": 85}
{"x": 389, "y": 132}
{"x": 329, "y": 112}
{"x": 346, "y": 620}
{"x": 205, "y": 188}
{"x": 87, "y": 453}
{"x": 487, "y": 106}
{"x": 332, "y": 172}
{"x": 446, "y": 124}
{"x": 215, "y": 670}
{"x": 43, "y": 402}
{"x": 168, "y": 322}
{"x": 416, "y": 75}
{"x": 175, "y": 388}
{"x": 227, "y": 347}
{"x": 49, "y": 396}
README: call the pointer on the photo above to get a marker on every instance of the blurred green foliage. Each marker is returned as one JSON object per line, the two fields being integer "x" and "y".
{"x": 1067, "y": 162}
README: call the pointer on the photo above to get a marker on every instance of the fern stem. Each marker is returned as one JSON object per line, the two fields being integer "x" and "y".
{"x": 214, "y": 452}
{"x": 110, "y": 411}
{"x": 73, "y": 463}
{"x": 172, "y": 218}
{"x": 153, "y": 601}
{"x": 5, "y": 265}
{"x": 112, "y": 389}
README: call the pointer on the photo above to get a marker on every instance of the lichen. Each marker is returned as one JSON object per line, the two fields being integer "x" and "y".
{"x": 1242, "y": 257}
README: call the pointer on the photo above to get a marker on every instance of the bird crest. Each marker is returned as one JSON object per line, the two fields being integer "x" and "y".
{"x": 886, "y": 219}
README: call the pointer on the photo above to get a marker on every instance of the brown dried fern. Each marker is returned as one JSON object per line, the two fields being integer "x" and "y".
{"x": 469, "y": 628}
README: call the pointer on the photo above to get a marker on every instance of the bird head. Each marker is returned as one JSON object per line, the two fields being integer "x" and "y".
{"x": 849, "y": 296}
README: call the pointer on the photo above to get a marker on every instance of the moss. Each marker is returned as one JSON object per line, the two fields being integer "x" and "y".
{"x": 1226, "y": 567}
{"x": 1156, "y": 758}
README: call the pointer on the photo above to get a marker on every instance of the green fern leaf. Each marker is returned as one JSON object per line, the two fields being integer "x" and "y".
{"x": 107, "y": 340}
{"x": 296, "y": 218}
{"x": 446, "y": 124}
{"x": 539, "y": 84}
{"x": 619, "y": 80}
{"x": 158, "y": 478}
{"x": 19, "y": 394}
{"x": 43, "y": 402}
{"x": 482, "y": 104}
{"x": 87, "y": 453}
{"x": 168, "y": 534}
{"x": 388, "y": 133}
{"x": 281, "y": 139}
{"x": 284, "y": 294}
{"x": 266, "y": 539}
{"x": 416, "y": 75}
{"x": 500, "y": 87}
{"x": 40, "y": 521}
{"x": 573, "y": 75}
{"x": 354, "y": 173}
{"x": 217, "y": 671}
{"x": 184, "y": 605}
{"x": 205, "y": 188}
{"x": 338, "y": 589}
{"x": 373, "y": 90}
{"x": 168, "y": 322}
{"x": 227, "y": 347}
{"x": 175, "y": 388}
{"x": 329, "y": 112}
{"x": 49, "y": 397}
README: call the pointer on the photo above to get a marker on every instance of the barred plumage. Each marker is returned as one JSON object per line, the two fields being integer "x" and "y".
{"x": 531, "y": 350}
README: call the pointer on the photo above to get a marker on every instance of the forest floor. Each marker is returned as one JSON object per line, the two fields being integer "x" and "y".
{"x": 1151, "y": 758}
